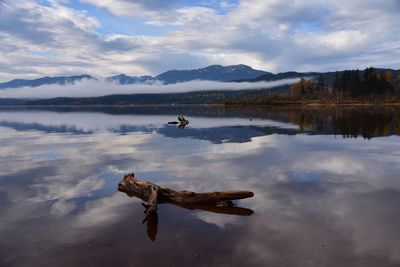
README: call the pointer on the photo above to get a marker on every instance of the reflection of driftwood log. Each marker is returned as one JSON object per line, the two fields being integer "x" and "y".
{"x": 152, "y": 195}
{"x": 182, "y": 121}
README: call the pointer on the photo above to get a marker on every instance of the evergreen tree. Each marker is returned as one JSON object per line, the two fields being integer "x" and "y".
{"x": 345, "y": 81}
{"x": 336, "y": 84}
{"x": 320, "y": 85}
{"x": 336, "y": 80}
{"x": 370, "y": 82}
{"x": 398, "y": 85}
{"x": 355, "y": 83}
{"x": 381, "y": 84}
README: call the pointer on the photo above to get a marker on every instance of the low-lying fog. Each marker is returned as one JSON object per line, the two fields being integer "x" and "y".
{"x": 91, "y": 88}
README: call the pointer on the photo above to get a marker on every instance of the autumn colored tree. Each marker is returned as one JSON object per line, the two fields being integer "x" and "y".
{"x": 305, "y": 87}
{"x": 295, "y": 89}
{"x": 302, "y": 88}
{"x": 388, "y": 77}
{"x": 386, "y": 82}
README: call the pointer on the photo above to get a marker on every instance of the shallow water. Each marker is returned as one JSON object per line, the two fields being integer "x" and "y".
{"x": 326, "y": 184}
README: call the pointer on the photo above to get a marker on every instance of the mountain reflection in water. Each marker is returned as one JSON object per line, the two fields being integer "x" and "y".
{"x": 319, "y": 199}
{"x": 220, "y": 125}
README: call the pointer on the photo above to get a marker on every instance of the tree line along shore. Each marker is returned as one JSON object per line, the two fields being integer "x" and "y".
{"x": 350, "y": 87}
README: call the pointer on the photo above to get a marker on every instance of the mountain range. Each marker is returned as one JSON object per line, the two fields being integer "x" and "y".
{"x": 61, "y": 80}
{"x": 210, "y": 73}
{"x": 233, "y": 73}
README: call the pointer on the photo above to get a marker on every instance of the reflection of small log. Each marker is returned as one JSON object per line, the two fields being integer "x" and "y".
{"x": 151, "y": 220}
{"x": 229, "y": 209}
{"x": 182, "y": 125}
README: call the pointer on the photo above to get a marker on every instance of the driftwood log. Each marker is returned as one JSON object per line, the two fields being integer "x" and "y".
{"x": 152, "y": 195}
{"x": 182, "y": 121}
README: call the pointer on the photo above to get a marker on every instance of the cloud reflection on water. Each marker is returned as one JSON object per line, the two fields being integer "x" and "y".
{"x": 319, "y": 200}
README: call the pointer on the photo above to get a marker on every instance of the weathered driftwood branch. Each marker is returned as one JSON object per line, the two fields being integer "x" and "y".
{"x": 182, "y": 121}
{"x": 152, "y": 195}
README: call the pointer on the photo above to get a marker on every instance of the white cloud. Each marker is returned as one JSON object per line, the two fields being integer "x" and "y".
{"x": 103, "y": 211}
{"x": 221, "y": 220}
{"x": 141, "y": 8}
{"x": 65, "y": 191}
{"x": 62, "y": 207}
{"x": 271, "y": 35}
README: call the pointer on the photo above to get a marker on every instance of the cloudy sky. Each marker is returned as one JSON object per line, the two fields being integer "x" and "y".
{"x": 106, "y": 37}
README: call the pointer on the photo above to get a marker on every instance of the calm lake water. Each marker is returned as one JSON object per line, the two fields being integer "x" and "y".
{"x": 326, "y": 184}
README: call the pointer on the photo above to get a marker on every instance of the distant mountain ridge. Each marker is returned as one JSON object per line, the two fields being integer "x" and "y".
{"x": 233, "y": 73}
{"x": 60, "y": 80}
{"x": 211, "y": 73}
{"x": 125, "y": 79}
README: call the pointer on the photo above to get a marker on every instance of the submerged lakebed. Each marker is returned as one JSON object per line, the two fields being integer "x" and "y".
{"x": 326, "y": 186}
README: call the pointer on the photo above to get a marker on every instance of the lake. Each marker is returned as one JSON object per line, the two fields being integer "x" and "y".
{"x": 326, "y": 184}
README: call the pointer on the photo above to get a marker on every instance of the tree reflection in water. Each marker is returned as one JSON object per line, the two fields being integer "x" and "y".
{"x": 348, "y": 122}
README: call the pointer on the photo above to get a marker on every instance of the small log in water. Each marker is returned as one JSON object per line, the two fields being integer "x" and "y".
{"x": 152, "y": 195}
{"x": 182, "y": 121}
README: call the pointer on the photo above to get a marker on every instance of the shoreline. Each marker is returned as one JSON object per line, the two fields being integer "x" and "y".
{"x": 318, "y": 103}
{"x": 276, "y": 104}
